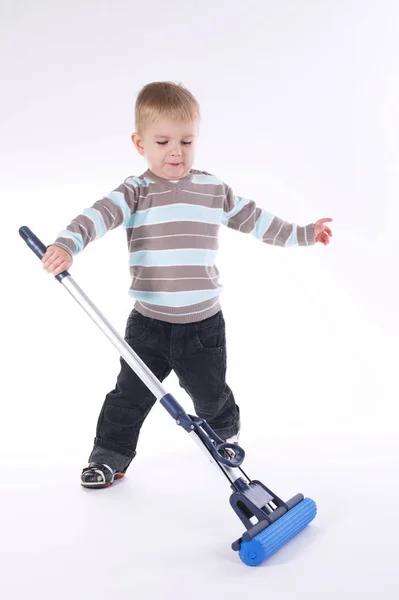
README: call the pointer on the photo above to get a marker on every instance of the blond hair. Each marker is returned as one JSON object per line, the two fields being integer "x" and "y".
{"x": 164, "y": 100}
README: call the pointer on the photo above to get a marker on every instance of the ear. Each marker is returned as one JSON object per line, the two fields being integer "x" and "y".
{"x": 138, "y": 143}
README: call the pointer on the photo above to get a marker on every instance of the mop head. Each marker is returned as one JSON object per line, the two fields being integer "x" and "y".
{"x": 277, "y": 521}
{"x": 268, "y": 541}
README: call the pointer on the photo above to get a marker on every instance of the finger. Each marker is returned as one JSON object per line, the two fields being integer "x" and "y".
{"x": 56, "y": 264}
{"x": 49, "y": 262}
{"x": 61, "y": 268}
{"x": 50, "y": 250}
{"x": 328, "y": 230}
{"x": 325, "y": 220}
{"x": 48, "y": 254}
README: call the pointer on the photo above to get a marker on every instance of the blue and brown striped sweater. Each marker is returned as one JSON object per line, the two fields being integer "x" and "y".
{"x": 172, "y": 235}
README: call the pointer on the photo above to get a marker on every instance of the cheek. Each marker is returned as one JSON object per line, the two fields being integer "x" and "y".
{"x": 157, "y": 153}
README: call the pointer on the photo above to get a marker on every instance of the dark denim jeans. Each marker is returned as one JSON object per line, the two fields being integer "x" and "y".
{"x": 197, "y": 354}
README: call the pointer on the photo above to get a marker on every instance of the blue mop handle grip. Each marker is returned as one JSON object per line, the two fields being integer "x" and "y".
{"x": 37, "y": 247}
{"x": 33, "y": 242}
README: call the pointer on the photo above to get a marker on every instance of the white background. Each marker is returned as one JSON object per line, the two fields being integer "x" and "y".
{"x": 300, "y": 112}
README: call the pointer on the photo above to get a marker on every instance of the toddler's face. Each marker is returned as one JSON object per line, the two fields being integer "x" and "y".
{"x": 168, "y": 147}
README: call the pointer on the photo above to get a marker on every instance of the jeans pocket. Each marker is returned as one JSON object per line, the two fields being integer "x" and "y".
{"x": 136, "y": 330}
{"x": 210, "y": 336}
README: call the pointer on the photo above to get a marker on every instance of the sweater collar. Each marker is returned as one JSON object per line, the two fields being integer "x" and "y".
{"x": 170, "y": 185}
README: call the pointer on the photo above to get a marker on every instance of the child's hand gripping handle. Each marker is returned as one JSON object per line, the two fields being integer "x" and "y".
{"x": 37, "y": 247}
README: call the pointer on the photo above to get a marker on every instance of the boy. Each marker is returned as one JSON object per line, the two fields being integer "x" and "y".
{"x": 172, "y": 215}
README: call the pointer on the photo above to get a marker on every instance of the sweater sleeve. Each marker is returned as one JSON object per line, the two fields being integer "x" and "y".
{"x": 117, "y": 208}
{"x": 243, "y": 215}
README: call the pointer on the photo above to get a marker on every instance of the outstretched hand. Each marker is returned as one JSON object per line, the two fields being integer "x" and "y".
{"x": 322, "y": 232}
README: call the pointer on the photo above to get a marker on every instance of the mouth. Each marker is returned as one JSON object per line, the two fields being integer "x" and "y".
{"x": 175, "y": 164}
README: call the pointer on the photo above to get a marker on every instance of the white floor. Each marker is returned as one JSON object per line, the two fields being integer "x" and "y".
{"x": 165, "y": 530}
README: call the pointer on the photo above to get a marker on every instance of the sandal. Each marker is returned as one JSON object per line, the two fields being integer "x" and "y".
{"x": 99, "y": 476}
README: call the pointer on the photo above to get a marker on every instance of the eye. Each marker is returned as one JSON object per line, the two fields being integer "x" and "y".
{"x": 186, "y": 143}
{"x": 162, "y": 143}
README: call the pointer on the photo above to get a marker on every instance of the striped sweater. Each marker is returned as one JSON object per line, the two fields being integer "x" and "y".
{"x": 172, "y": 235}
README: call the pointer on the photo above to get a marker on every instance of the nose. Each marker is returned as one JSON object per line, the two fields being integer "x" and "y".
{"x": 176, "y": 149}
